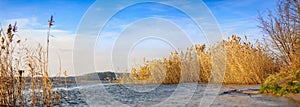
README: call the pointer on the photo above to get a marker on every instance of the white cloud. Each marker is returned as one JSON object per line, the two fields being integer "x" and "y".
{"x": 25, "y": 23}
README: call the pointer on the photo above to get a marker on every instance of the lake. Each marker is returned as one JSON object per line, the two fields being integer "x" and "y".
{"x": 172, "y": 95}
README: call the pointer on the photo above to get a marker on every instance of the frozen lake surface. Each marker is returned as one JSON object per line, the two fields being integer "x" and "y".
{"x": 188, "y": 94}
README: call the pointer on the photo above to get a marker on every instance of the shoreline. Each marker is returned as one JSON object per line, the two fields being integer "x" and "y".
{"x": 293, "y": 97}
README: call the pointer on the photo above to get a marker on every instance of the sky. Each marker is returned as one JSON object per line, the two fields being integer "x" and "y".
{"x": 83, "y": 29}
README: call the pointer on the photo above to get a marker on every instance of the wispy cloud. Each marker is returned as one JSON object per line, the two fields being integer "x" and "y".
{"x": 25, "y": 23}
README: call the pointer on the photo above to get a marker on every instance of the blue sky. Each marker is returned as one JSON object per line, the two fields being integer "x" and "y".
{"x": 69, "y": 12}
{"x": 233, "y": 16}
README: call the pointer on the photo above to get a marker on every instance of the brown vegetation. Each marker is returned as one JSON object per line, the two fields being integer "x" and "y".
{"x": 246, "y": 63}
{"x": 283, "y": 31}
{"x": 18, "y": 62}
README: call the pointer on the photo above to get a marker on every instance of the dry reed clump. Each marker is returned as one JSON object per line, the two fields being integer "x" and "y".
{"x": 245, "y": 64}
{"x": 176, "y": 69}
{"x": 12, "y": 56}
{"x": 40, "y": 83}
{"x": 24, "y": 78}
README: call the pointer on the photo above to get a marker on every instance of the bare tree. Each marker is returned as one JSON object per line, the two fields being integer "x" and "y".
{"x": 282, "y": 28}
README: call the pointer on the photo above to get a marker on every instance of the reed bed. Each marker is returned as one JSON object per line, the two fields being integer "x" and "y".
{"x": 246, "y": 63}
{"x": 24, "y": 75}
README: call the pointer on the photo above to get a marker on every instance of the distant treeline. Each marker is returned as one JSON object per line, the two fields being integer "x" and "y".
{"x": 102, "y": 76}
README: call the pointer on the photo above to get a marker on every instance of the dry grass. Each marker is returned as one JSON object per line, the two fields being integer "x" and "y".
{"x": 246, "y": 63}
{"x": 24, "y": 73}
